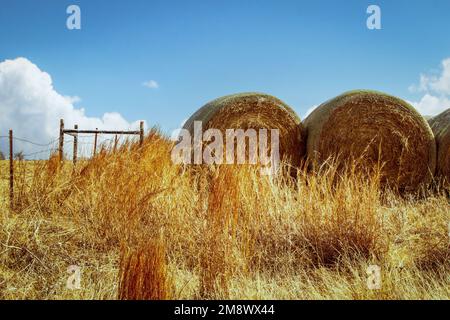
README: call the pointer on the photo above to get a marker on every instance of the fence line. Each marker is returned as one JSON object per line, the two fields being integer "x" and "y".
{"x": 75, "y": 132}
{"x": 96, "y": 144}
{"x": 60, "y": 141}
{"x": 41, "y": 151}
{"x": 31, "y": 142}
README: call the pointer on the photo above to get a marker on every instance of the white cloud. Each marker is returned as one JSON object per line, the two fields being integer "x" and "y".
{"x": 422, "y": 86}
{"x": 151, "y": 84}
{"x": 31, "y": 106}
{"x": 73, "y": 100}
{"x": 430, "y": 105}
{"x": 436, "y": 83}
{"x": 437, "y": 91}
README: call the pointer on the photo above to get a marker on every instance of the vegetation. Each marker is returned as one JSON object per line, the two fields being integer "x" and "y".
{"x": 141, "y": 227}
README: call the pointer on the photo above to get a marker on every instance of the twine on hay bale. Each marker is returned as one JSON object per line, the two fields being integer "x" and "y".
{"x": 255, "y": 111}
{"x": 377, "y": 129}
{"x": 440, "y": 125}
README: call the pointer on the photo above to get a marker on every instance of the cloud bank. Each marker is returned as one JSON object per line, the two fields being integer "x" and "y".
{"x": 437, "y": 91}
{"x": 31, "y": 106}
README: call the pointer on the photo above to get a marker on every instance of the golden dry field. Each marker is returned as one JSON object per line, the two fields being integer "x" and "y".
{"x": 141, "y": 227}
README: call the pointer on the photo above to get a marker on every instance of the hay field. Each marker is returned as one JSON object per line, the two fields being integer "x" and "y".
{"x": 141, "y": 227}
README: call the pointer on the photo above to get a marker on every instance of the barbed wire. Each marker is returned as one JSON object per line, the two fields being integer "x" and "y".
{"x": 82, "y": 145}
{"x": 38, "y": 152}
{"x": 31, "y": 142}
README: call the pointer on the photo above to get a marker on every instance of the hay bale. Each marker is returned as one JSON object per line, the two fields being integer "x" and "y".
{"x": 377, "y": 129}
{"x": 440, "y": 125}
{"x": 255, "y": 111}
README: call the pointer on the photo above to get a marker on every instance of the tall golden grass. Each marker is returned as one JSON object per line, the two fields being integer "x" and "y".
{"x": 143, "y": 273}
{"x": 224, "y": 232}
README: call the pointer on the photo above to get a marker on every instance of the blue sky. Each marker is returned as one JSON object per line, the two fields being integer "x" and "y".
{"x": 303, "y": 52}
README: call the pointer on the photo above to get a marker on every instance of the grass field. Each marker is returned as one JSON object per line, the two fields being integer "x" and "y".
{"x": 139, "y": 226}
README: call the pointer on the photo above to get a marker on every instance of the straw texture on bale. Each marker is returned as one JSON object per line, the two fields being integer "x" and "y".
{"x": 378, "y": 130}
{"x": 255, "y": 111}
{"x": 440, "y": 125}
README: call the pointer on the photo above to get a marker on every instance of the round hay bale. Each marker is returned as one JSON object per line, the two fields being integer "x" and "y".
{"x": 255, "y": 111}
{"x": 440, "y": 125}
{"x": 376, "y": 129}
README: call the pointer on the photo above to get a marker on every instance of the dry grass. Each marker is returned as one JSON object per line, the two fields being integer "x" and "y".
{"x": 143, "y": 273}
{"x": 220, "y": 233}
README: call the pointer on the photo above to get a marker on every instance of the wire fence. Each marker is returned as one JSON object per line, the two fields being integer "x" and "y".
{"x": 85, "y": 143}
{"x": 45, "y": 150}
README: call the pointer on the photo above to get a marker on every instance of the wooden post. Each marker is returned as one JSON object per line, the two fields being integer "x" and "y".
{"x": 75, "y": 145}
{"x": 115, "y": 143}
{"x": 141, "y": 133}
{"x": 11, "y": 170}
{"x": 61, "y": 140}
{"x": 95, "y": 142}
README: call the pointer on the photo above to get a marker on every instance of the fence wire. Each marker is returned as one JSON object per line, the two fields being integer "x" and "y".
{"x": 53, "y": 145}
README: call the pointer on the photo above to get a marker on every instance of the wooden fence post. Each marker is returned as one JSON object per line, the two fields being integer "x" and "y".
{"x": 61, "y": 140}
{"x": 95, "y": 142}
{"x": 75, "y": 145}
{"x": 11, "y": 170}
{"x": 141, "y": 133}
{"x": 115, "y": 143}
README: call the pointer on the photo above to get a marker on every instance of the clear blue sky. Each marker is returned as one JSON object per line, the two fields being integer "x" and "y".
{"x": 303, "y": 52}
